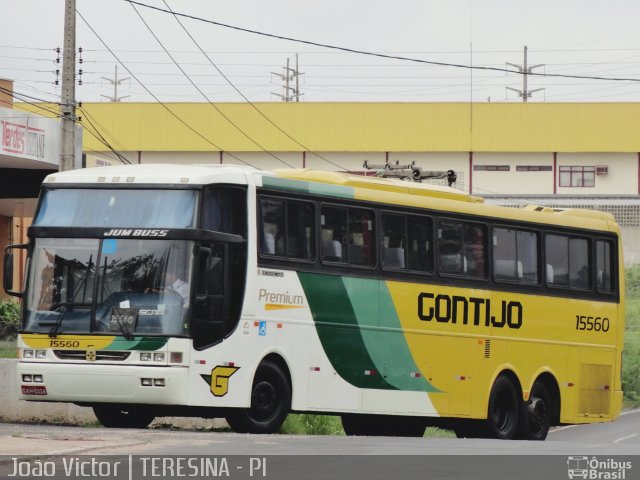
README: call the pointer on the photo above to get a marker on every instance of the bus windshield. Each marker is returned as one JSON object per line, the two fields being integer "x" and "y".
{"x": 117, "y": 208}
{"x": 112, "y": 286}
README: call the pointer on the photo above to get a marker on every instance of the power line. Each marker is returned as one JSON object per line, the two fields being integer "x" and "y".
{"x": 373, "y": 54}
{"x": 104, "y": 140}
{"x": 155, "y": 97}
{"x": 237, "y": 127}
{"x": 260, "y": 112}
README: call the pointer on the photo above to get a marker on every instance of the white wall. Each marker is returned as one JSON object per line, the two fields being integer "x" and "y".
{"x": 622, "y": 178}
{"x": 513, "y": 182}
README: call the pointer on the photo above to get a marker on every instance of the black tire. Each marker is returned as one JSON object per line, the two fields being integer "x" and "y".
{"x": 535, "y": 414}
{"x": 504, "y": 410}
{"x": 123, "y": 416}
{"x": 382, "y": 425}
{"x": 270, "y": 402}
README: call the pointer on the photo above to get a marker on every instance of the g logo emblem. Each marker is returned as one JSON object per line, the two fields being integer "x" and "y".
{"x": 90, "y": 356}
{"x": 220, "y": 380}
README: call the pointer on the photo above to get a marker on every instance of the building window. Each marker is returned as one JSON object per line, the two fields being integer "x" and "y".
{"x": 533, "y": 168}
{"x": 577, "y": 176}
{"x": 491, "y": 168}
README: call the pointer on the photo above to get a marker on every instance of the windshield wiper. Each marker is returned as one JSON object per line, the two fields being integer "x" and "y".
{"x": 53, "y": 333}
{"x": 125, "y": 332}
{"x": 119, "y": 316}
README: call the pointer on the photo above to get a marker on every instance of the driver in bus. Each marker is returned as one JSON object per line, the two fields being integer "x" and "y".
{"x": 175, "y": 284}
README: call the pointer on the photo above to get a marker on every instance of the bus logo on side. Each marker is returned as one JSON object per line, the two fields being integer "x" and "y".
{"x": 219, "y": 379}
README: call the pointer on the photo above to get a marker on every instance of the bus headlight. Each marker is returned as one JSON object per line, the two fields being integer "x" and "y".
{"x": 27, "y": 354}
{"x": 41, "y": 354}
{"x": 158, "y": 357}
{"x": 145, "y": 357}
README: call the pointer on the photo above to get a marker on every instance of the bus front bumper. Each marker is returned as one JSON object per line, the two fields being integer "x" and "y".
{"x": 97, "y": 383}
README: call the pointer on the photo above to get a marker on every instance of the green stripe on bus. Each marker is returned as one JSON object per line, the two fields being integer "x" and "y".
{"x": 137, "y": 343}
{"x": 300, "y": 186}
{"x": 382, "y": 334}
{"x": 338, "y": 331}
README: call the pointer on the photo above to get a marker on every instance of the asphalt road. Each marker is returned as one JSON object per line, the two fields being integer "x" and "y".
{"x": 621, "y": 437}
{"x": 299, "y": 457}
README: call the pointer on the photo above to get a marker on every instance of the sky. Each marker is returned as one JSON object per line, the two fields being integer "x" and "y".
{"x": 567, "y": 37}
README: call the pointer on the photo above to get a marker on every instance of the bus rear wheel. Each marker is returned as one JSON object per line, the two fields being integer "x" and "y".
{"x": 123, "y": 416}
{"x": 270, "y": 402}
{"x": 535, "y": 414}
{"x": 504, "y": 409}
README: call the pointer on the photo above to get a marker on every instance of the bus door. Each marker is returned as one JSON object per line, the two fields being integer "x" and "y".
{"x": 219, "y": 291}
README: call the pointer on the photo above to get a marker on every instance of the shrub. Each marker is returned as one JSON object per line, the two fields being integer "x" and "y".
{"x": 9, "y": 319}
{"x": 303, "y": 424}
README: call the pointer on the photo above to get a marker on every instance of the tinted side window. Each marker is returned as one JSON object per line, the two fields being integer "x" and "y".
{"x": 347, "y": 235}
{"x": 394, "y": 241}
{"x": 333, "y": 222}
{"x": 225, "y": 210}
{"x": 300, "y": 238}
{"x": 450, "y": 248}
{"x": 462, "y": 248}
{"x": 419, "y": 248}
{"x": 286, "y": 228}
{"x": 272, "y": 230}
{"x": 604, "y": 280}
{"x": 579, "y": 271}
{"x": 515, "y": 255}
{"x": 567, "y": 262}
{"x": 557, "y": 260}
{"x": 361, "y": 237}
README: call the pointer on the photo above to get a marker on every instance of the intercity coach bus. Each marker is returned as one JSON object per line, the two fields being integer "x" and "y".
{"x": 225, "y": 291}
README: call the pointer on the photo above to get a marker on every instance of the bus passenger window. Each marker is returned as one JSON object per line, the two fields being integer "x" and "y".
{"x": 462, "y": 249}
{"x": 272, "y": 239}
{"x": 603, "y": 266}
{"x": 579, "y": 272}
{"x": 334, "y": 231}
{"x": 527, "y": 243}
{"x": 475, "y": 249}
{"x": 450, "y": 251}
{"x": 394, "y": 241}
{"x": 515, "y": 256}
{"x": 557, "y": 260}
{"x": 360, "y": 237}
{"x": 300, "y": 223}
{"x": 419, "y": 245}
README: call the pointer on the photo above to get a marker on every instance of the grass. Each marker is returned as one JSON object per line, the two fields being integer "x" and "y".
{"x": 7, "y": 349}
{"x": 631, "y": 354}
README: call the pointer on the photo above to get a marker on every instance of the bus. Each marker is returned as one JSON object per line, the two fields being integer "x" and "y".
{"x": 229, "y": 292}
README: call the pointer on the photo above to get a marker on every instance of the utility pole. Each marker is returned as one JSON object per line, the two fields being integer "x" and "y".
{"x": 115, "y": 84}
{"x": 525, "y": 70}
{"x": 290, "y": 93}
{"x": 68, "y": 95}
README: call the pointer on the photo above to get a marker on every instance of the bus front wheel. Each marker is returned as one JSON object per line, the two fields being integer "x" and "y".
{"x": 270, "y": 402}
{"x": 535, "y": 414}
{"x": 122, "y": 416}
{"x": 504, "y": 409}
